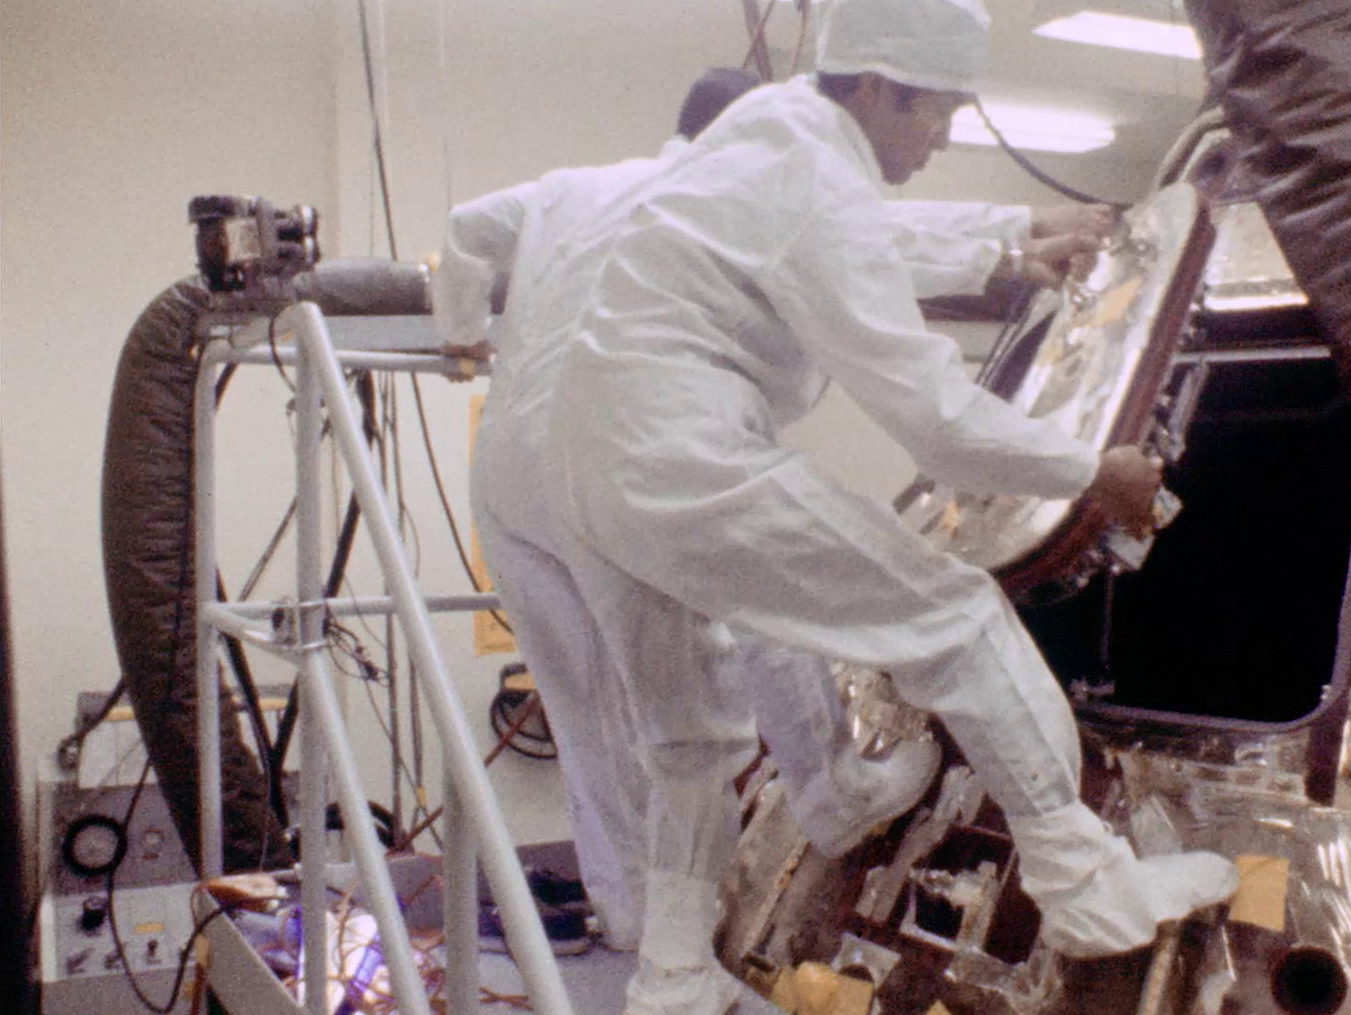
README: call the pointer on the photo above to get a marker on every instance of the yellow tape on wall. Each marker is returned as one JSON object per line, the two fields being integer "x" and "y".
{"x": 490, "y": 636}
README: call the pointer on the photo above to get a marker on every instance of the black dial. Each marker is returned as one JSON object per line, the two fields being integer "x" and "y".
{"x": 93, "y": 913}
{"x": 94, "y": 845}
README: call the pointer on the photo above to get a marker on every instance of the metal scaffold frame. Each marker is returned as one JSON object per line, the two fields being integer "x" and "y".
{"x": 473, "y": 823}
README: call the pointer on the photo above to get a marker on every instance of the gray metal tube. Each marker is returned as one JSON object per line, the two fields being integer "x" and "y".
{"x": 325, "y": 718}
{"x": 208, "y": 701}
{"x": 313, "y": 791}
{"x": 321, "y": 701}
{"x": 525, "y": 933}
{"x": 410, "y": 362}
{"x": 359, "y": 606}
{"x": 459, "y": 880}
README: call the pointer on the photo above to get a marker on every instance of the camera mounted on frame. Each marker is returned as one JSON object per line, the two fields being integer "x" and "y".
{"x": 247, "y": 246}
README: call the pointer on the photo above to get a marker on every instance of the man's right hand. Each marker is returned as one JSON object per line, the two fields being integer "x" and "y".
{"x": 1047, "y": 262}
{"x": 1125, "y": 487}
{"x": 465, "y": 359}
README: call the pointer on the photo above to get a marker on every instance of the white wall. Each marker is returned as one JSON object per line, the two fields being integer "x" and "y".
{"x": 115, "y": 113}
{"x": 113, "y": 116}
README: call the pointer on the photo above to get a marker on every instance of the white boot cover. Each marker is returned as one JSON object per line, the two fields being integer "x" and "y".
{"x": 1096, "y": 897}
{"x": 708, "y": 990}
{"x": 843, "y": 804}
{"x": 678, "y": 929}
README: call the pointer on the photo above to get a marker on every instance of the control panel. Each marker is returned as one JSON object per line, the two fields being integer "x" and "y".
{"x": 88, "y": 837}
{"x": 153, "y": 923}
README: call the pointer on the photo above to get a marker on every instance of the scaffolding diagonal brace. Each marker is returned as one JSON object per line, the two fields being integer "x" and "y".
{"x": 475, "y": 826}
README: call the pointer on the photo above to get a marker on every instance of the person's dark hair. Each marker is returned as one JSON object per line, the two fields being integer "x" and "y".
{"x": 709, "y": 96}
{"x": 838, "y": 88}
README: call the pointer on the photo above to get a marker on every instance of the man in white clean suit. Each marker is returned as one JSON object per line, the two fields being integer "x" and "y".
{"x": 718, "y": 297}
{"x": 700, "y": 312}
{"x": 951, "y": 248}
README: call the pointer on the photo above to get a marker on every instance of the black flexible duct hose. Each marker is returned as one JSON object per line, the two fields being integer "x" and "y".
{"x": 148, "y": 549}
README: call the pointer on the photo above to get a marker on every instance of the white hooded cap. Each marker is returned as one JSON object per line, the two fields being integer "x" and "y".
{"x": 941, "y": 45}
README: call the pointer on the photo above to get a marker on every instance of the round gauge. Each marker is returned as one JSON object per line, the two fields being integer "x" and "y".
{"x": 94, "y": 845}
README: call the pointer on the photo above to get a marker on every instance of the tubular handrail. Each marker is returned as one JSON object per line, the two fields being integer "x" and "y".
{"x": 473, "y": 820}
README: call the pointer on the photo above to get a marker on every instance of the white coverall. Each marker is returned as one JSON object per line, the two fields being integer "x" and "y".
{"x": 716, "y": 300}
{"x": 519, "y": 232}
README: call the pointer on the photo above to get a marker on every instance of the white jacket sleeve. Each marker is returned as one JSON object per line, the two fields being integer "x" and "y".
{"x": 942, "y": 264}
{"x": 975, "y": 219}
{"x": 479, "y": 245}
{"x": 843, "y": 289}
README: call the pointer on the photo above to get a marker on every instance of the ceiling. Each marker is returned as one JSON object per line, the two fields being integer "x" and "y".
{"x": 1148, "y": 98}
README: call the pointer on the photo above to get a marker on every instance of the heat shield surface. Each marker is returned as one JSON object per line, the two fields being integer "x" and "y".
{"x": 1096, "y": 374}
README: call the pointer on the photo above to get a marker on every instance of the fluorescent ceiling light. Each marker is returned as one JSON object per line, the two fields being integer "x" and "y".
{"x": 1038, "y": 130}
{"x": 1120, "y": 32}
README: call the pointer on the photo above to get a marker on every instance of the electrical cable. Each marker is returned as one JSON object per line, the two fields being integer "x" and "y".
{"x": 392, "y": 440}
{"x": 342, "y": 555}
{"x": 185, "y": 954}
{"x": 508, "y": 724}
{"x": 508, "y": 727}
{"x": 345, "y": 641}
{"x": 443, "y": 79}
{"x": 440, "y": 487}
{"x": 759, "y": 50}
{"x": 349, "y": 644}
{"x": 118, "y": 947}
{"x": 804, "y": 11}
{"x": 399, "y": 840}
{"x": 389, "y": 426}
{"x": 529, "y": 707}
{"x": 393, "y": 248}
{"x": 223, "y": 381}
{"x": 415, "y": 728}
{"x": 201, "y": 925}
{"x": 445, "y": 503}
{"x": 276, "y": 357}
{"x": 375, "y": 129}
{"x": 44, "y": 874}
{"x": 273, "y": 544}
{"x": 239, "y": 663}
{"x": 1013, "y": 322}
{"x": 390, "y": 400}
{"x": 1035, "y": 171}
{"x": 68, "y": 750}
{"x": 387, "y": 204}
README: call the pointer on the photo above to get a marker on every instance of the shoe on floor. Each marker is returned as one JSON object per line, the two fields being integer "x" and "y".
{"x": 564, "y": 926}
{"x": 553, "y": 889}
{"x": 839, "y": 808}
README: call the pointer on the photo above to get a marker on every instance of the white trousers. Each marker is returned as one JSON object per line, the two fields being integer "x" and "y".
{"x": 587, "y": 706}
{"x": 791, "y": 557}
